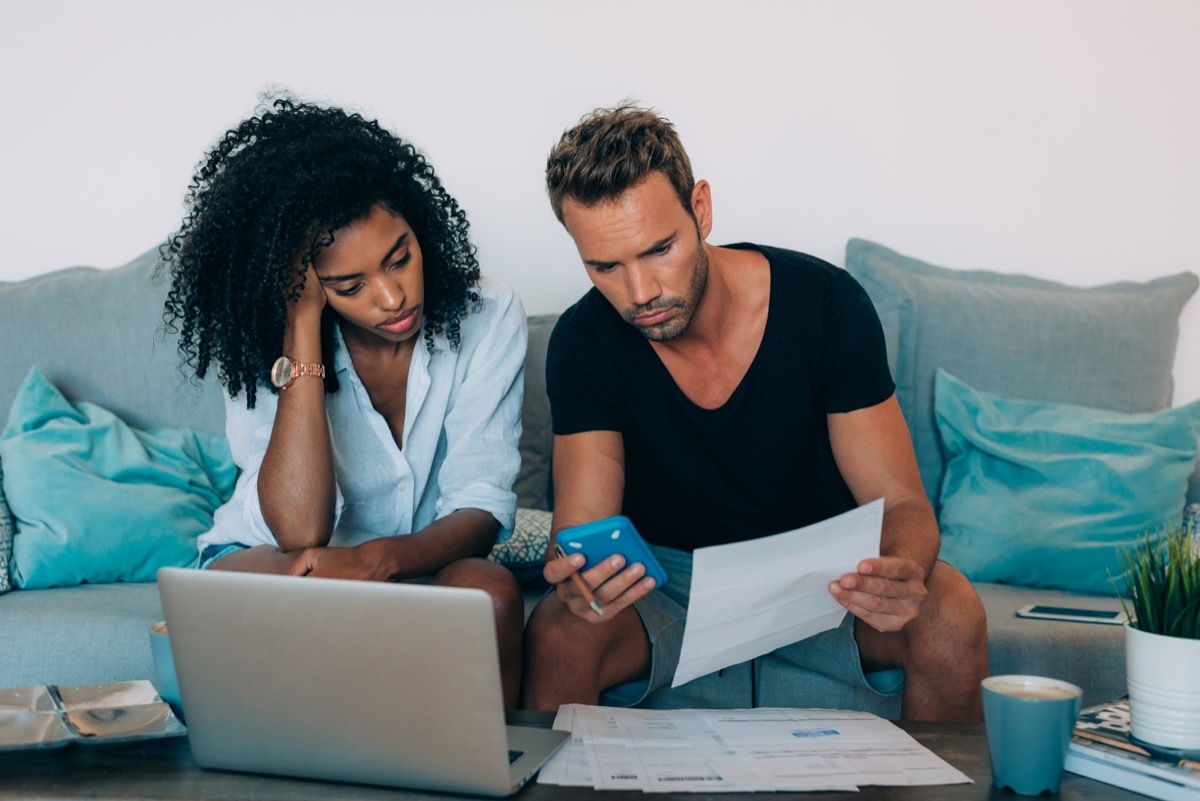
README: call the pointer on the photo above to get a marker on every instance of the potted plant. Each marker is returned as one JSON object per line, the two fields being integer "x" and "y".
{"x": 1162, "y": 641}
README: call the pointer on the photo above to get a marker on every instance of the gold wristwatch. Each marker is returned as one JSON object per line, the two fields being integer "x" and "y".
{"x": 285, "y": 371}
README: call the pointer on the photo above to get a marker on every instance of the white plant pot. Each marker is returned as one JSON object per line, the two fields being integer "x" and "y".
{"x": 1164, "y": 688}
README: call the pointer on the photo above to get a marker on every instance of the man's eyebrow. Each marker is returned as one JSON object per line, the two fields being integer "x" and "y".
{"x": 334, "y": 279}
{"x": 604, "y": 265}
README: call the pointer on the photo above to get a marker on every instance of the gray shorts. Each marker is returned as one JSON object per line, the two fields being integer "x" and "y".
{"x": 833, "y": 654}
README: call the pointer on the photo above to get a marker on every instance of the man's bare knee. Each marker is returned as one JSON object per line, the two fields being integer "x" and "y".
{"x": 553, "y": 630}
{"x": 568, "y": 660}
{"x": 952, "y": 618}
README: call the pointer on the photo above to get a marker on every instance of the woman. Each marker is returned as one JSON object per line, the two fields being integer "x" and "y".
{"x": 321, "y": 259}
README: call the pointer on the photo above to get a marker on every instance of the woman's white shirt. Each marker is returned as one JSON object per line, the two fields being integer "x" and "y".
{"x": 461, "y": 426}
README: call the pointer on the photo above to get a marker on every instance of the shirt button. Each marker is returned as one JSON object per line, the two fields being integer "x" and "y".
{"x": 403, "y": 486}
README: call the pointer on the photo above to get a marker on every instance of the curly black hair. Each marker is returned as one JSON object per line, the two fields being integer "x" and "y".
{"x": 265, "y": 200}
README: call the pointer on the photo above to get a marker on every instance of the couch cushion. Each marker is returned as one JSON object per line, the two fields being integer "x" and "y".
{"x": 1090, "y": 655}
{"x": 533, "y": 480}
{"x": 95, "y": 335}
{"x": 89, "y": 634}
{"x": 1047, "y": 495}
{"x": 96, "y": 500}
{"x": 1109, "y": 347}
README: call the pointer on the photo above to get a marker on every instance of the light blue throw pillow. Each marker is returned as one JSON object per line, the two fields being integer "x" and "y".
{"x": 1043, "y": 494}
{"x": 95, "y": 500}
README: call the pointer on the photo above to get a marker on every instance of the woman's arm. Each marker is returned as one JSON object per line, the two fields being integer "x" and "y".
{"x": 296, "y": 483}
{"x": 458, "y": 535}
{"x": 482, "y": 427}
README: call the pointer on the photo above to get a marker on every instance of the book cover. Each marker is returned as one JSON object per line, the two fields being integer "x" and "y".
{"x": 1103, "y": 749}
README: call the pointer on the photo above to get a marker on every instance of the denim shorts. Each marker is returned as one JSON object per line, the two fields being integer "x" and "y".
{"x": 212, "y": 553}
{"x": 832, "y": 653}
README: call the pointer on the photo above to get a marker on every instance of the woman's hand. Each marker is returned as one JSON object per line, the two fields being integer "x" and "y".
{"x": 336, "y": 562}
{"x": 312, "y": 295}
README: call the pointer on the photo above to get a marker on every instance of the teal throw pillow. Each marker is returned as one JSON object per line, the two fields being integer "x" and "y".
{"x": 1044, "y": 494}
{"x": 1109, "y": 347}
{"x": 96, "y": 500}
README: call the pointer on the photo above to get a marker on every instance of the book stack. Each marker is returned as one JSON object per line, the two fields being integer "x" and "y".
{"x": 1102, "y": 749}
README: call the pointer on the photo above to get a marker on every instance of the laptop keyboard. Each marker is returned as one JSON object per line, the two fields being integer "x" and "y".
{"x": 513, "y": 756}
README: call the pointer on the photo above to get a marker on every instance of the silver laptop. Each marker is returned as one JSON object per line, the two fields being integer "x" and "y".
{"x": 355, "y": 681}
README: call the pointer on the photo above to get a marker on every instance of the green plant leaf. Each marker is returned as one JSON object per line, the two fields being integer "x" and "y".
{"x": 1162, "y": 581}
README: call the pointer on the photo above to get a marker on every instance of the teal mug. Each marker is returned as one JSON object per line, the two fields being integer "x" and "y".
{"x": 1029, "y": 721}
{"x": 164, "y": 667}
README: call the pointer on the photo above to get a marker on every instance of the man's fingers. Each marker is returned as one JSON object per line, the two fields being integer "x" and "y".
{"x": 887, "y": 588}
{"x": 613, "y": 604}
{"x": 877, "y": 620}
{"x": 559, "y": 570}
{"x": 880, "y": 612}
{"x": 619, "y": 584}
{"x": 612, "y": 587}
{"x": 892, "y": 567}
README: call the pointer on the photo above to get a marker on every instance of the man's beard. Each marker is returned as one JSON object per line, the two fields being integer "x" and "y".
{"x": 677, "y": 325}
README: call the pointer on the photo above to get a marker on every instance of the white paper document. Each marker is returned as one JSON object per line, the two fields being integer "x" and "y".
{"x": 738, "y": 750}
{"x": 749, "y": 598}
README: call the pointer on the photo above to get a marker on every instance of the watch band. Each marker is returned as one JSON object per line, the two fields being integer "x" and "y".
{"x": 286, "y": 370}
{"x": 299, "y": 369}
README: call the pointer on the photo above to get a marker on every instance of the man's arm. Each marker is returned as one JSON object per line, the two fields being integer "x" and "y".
{"x": 589, "y": 482}
{"x": 874, "y": 454}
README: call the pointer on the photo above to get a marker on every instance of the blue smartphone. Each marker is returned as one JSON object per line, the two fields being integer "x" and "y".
{"x": 601, "y": 539}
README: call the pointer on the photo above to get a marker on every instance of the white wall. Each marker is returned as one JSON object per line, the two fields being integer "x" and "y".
{"x": 1059, "y": 138}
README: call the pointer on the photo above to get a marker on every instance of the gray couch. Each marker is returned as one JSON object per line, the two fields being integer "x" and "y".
{"x": 94, "y": 334}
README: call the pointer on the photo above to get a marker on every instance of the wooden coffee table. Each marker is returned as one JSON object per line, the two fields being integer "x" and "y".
{"x": 164, "y": 769}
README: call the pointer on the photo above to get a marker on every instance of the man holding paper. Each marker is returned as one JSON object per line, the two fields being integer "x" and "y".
{"x": 718, "y": 395}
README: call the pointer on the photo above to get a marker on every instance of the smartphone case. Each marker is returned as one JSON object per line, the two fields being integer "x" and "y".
{"x": 601, "y": 539}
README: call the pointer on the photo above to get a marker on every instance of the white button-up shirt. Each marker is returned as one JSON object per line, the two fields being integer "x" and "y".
{"x": 461, "y": 426}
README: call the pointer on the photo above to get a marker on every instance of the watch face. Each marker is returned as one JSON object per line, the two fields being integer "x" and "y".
{"x": 281, "y": 371}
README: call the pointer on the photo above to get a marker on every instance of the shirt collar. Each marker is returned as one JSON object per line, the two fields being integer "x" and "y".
{"x": 341, "y": 355}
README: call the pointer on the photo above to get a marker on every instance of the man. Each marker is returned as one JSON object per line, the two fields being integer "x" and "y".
{"x": 719, "y": 394}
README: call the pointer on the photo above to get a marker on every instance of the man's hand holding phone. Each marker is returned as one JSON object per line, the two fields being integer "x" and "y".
{"x": 590, "y": 573}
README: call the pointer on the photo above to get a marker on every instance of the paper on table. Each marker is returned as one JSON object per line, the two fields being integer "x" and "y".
{"x": 746, "y": 750}
{"x": 749, "y": 598}
{"x": 569, "y": 766}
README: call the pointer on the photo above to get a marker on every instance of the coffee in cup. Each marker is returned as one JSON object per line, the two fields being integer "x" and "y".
{"x": 1036, "y": 692}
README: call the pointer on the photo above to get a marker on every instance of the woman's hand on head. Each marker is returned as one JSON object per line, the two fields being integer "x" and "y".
{"x": 312, "y": 295}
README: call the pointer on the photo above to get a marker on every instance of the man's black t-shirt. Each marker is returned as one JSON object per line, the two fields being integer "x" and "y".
{"x": 761, "y": 463}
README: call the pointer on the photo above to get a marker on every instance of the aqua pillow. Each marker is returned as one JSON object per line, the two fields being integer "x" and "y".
{"x": 1045, "y": 494}
{"x": 95, "y": 500}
